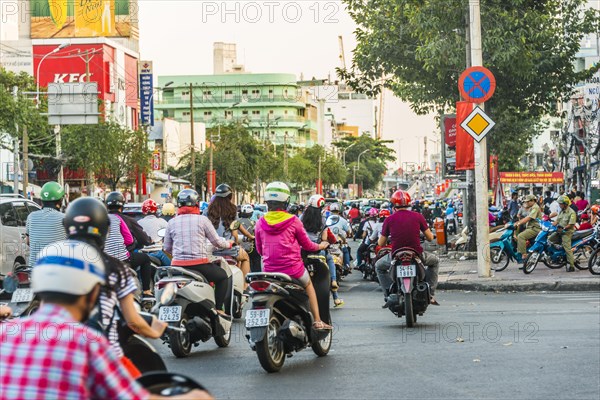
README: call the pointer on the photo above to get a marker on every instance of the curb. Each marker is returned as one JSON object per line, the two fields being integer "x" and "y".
{"x": 517, "y": 286}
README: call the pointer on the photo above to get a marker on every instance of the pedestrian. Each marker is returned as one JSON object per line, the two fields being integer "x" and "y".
{"x": 565, "y": 222}
{"x": 513, "y": 205}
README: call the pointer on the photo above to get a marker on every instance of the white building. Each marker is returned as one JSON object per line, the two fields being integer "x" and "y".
{"x": 225, "y": 59}
{"x": 173, "y": 139}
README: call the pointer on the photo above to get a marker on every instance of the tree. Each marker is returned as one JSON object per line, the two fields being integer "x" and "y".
{"x": 416, "y": 49}
{"x": 109, "y": 150}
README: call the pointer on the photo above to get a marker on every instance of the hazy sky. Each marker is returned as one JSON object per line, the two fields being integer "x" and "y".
{"x": 298, "y": 37}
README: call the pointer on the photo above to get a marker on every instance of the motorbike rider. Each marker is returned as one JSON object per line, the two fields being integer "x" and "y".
{"x": 134, "y": 237}
{"x": 532, "y": 226}
{"x": 367, "y": 229}
{"x": 77, "y": 362}
{"x": 354, "y": 214}
{"x": 403, "y": 229}
{"x": 378, "y": 227}
{"x": 222, "y": 213}
{"x": 342, "y": 228}
{"x": 186, "y": 238}
{"x": 167, "y": 211}
{"x": 318, "y": 232}
{"x": 86, "y": 220}
{"x": 45, "y": 226}
{"x": 248, "y": 242}
{"x": 279, "y": 238}
{"x": 585, "y": 223}
{"x": 565, "y": 221}
{"x": 151, "y": 224}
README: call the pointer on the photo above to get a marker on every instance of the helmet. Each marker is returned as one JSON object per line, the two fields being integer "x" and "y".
{"x": 585, "y": 216}
{"x": 168, "y": 209}
{"x": 334, "y": 207}
{"x": 87, "y": 216}
{"x": 385, "y": 204}
{"x": 68, "y": 266}
{"x": 149, "y": 206}
{"x": 52, "y": 191}
{"x": 223, "y": 190}
{"x": 564, "y": 200}
{"x": 301, "y": 206}
{"x": 114, "y": 200}
{"x": 372, "y": 212}
{"x": 384, "y": 213}
{"x": 277, "y": 191}
{"x": 400, "y": 198}
{"x": 316, "y": 201}
{"x": 595, "y": 208}
{"x": 293, "y": 208}
{"x": 187, "y": 197}
{"x": 247, "y": 209}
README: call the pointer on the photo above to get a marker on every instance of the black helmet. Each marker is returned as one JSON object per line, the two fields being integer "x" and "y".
{"x": 188, "y": 197}
{"x": 293, "y": 208}
{"x": 87, "y": 217}
{"x": 115, "y": 200}
{"x": 223, "y": 190}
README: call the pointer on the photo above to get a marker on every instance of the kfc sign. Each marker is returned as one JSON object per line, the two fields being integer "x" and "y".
{"x": 71, "y": 78}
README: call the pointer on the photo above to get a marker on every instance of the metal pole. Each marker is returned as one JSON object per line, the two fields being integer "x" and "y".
{"x": 285, "y": 158}
{"x": 481, "y": 162}
{"x": 25, "y": 161}
{"x": 16, "y": 165}
{"x": 192, "y": 144}
{"x": 61, "y": 178}
{"x": 320, "y": 189}
{"x": 354, "y": 182}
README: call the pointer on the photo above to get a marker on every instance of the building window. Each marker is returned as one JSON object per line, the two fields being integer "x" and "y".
{"x": 255, "y": 93}
{"x": 256, "y": 112}
{"x": 285, "y": 93}
{"x": 207, "y": 113}
{"x": 271, "y": 112}
{"x": 256, "y": 133}
{"x": 285, "y": 112}
{"x": 229, "y": 95}
{"x": 271, "y": 93}
{"x": 228, "y": 114}
{"x": 207, "y": 95}
{"x": 186, "y": 93}
{"x": 539, "y": 159}
{"x": 186, "y": 113}
{"x": 245, "y": 93}
{"x": 273, "y": 133}
{"x": 328, "y": 109}
{"x": 245, "y": 112}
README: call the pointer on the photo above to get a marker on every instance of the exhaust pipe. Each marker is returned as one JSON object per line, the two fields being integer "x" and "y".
{"x": 199, "y": 329}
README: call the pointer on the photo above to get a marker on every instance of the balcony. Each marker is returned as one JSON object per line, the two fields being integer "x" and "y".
{"x": 218, "y": 101}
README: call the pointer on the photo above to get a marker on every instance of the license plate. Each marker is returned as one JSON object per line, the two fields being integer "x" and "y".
{"x": 256, "y": 318}
{"x": 170, "y": 314}
{"x": 22, "y": 296}
{"x": 406, "y": 271}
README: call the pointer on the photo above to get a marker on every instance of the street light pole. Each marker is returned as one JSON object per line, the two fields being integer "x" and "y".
{"x": 192, "y": 144}
{"x": 37, "y": 91}
{"x": 356, "y": 168}
{"x": 344, "y": 153}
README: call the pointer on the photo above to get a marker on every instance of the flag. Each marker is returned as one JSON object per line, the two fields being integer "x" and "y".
{"x": 465, "y": 156}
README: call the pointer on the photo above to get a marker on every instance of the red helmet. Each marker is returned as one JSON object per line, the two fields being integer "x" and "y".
{"x": 149, "y": 207}
{"x": 384, "y": 213}
{"x": 400, "y": 198}
{"x": 595, "y": 209}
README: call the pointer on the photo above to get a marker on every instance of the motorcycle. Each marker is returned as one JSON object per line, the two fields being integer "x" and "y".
{"x": 553, "y": 255}
{"x": 280, "y": 321}
{"x": 23, "y": 301}
{"x": 462, "y": 242}
{"x": 168, "y": 384}
{"x": 504, "y": 249}
{"x": 594, "y": 261}
{"x": 368, "y": 269}
{"x": 409, "y": 294}
{"x": 193, "y": 310}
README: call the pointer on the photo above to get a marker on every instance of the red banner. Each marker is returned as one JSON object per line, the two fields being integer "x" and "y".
{"x": 493, "y": 171}
{"x": 211, "y": 181}
{"x": 532, "y": 177}
{"x": 319, "y": 186}
{"x": 450, "y": 131}
{"x": 465, "y": 156}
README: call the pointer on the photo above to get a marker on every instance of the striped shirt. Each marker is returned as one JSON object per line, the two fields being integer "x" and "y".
{"x": 108, "y": 306}
{"x": 151, "y": 225}
{"x": 115, "y": 242}
{"x": 43, "y": 227}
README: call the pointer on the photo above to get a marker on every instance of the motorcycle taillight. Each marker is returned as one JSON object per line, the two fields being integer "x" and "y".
{"x": 180, "y": 284}
{"x": 259, "y": 286}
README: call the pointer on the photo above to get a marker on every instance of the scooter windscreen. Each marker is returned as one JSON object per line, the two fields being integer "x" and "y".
{"x": 168, "y": 384}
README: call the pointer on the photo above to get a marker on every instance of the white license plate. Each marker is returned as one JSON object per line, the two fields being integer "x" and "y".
{"x": 22, "y": 296}
{"x": 256, "y": 318}
{"x": 406, "y": 271}
{"x": 170, "y": 314}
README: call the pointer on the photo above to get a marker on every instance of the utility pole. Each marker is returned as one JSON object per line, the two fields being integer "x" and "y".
{"x": 16, "y": 165}
{"x": 480, "y": 150}
{"x": 192, "y": 144}
{"x": 469, "y": 214}
{"x": 285, "y": 158}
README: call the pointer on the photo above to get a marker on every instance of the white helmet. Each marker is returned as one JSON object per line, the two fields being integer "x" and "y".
{"x": 334, "y": 207}
{"x": 277, "y": 191}
{"x": 68, "y": 266}
{"x": 247, "y": 209}
{"x": 316, "y": 201}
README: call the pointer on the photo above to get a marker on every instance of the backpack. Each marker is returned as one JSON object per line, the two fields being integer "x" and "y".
{"x": 140, "y": 238}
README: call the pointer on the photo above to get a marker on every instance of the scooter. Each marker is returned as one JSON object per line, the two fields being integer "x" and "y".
{"x": 193, "y": 309}
{"x": 368, "y": 269}
{"x": 553, "y": 255}
{"x": 409, "y": 294}
{"x": 168, "y": 384}
{"x": 23, "y": 301}
{"x": 280, "y": 321}
{"x": 239, "y": 298}
{"x": 504, "y": 250}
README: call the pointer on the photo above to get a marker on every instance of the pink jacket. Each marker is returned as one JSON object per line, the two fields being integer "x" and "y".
{"x": 279, "y": 238}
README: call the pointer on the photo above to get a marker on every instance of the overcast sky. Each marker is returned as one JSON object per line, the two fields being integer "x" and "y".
{"x": 299, "y": 37}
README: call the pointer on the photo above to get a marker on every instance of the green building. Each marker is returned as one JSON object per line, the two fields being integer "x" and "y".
{"x": 271, "y": 106}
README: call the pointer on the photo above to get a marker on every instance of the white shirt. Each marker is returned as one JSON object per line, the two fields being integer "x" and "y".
{"x": 554, "y": 208}
{"x": 151, "y": 225}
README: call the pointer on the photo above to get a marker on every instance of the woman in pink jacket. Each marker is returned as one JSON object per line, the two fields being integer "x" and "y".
{"x": 280, "y": 237}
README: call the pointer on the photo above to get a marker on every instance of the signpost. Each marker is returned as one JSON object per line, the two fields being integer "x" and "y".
{"x": 476, "y": 84}
{"x": 477, "y": 124}
{"x": 146, "y": 89}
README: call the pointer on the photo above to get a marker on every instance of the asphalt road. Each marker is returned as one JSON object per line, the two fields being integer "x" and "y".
{"x": 474, "y": 346}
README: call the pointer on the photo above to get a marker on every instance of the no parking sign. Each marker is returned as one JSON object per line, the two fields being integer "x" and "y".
{"x": 477, "y": 84}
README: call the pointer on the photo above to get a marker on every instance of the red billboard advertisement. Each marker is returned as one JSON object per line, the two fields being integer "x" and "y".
{"x": 450, "y": 131}
{"x": 532, "y": 177}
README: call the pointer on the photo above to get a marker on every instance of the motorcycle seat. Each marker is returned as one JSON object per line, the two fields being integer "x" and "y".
{"x": 580, "y": 234}
{"x": 155, "y": 260}
{"x": 277, "y": 276}
{"x": 177, "y": 271}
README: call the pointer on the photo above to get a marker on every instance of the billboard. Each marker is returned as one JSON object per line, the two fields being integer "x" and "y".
{"x": 146, "y": 93}
{"x": 82, "y": 18}
{"x": 532, "y": 177}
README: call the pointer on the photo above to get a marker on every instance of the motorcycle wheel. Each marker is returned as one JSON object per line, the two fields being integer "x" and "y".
{"x": 237, "y": 306}
{"x": 321, "y": 348}
{"x": 531, "y": 262}
{"x": 499, "y": 259}
{"x": 223, "y": 340}
{"x": 594, "y": 262}
{"x": 270, "y": 350}
{"x": 408, "y": 311}
{"x": 31, "y": 308}
{"x": 142, "y": 357}
{"x": 554, "y": 265}
{"x": 181, "y": 346}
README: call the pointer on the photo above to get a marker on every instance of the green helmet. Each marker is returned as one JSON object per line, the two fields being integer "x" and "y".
{"x": 52, "y": 191}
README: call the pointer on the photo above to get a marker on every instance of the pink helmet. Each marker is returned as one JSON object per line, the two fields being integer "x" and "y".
{"x": 372, "y": 212}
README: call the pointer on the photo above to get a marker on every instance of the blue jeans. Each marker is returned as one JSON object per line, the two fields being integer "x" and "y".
{"x": 330, "y": 264}
{"x": 346, "y": 253}
{"x": 164, "y": 259}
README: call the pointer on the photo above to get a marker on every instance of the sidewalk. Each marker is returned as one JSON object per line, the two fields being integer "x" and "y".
{"x": 462, "y": 275}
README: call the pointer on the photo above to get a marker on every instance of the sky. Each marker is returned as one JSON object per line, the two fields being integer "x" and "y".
{"x": 299, "y": 37}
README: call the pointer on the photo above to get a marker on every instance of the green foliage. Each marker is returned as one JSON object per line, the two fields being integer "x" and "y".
{"x": 109, "y": 150}
{"x": 417, "y": 49}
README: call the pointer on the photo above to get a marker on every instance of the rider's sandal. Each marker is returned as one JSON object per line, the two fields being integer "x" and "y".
{"x": 334, "y": 285}
{"x": 338, "y": 303}
{"x": 322, "y": 326}
{"x": 434, "y": 302}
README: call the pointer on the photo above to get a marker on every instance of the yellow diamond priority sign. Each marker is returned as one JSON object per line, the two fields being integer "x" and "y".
{"x": 477, "y": 124}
